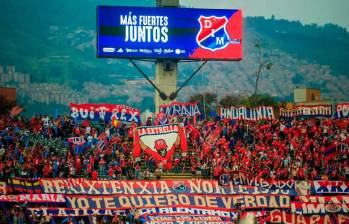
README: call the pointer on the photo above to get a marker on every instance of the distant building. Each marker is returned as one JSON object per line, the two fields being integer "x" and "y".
{"x": 306, "y": 95}
{"x": 8, "y": 93}
{"x": 168, "y": 3}
{"x": 11, "y": 69}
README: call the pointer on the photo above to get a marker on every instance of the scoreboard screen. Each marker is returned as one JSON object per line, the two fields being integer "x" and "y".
{"x": 169, "y": 33}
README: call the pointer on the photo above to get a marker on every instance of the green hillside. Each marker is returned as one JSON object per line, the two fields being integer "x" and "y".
{"x": 328, "y": 45}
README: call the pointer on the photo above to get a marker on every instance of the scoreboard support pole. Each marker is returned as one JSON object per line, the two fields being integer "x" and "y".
{"x": 166, "y": 80}
{"x": 165, "y": 70}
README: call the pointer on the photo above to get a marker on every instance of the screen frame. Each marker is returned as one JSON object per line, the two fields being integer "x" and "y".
{"x": 145, "y": 58}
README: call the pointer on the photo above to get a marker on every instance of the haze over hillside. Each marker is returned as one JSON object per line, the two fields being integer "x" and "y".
{"x": 54, "y": 44}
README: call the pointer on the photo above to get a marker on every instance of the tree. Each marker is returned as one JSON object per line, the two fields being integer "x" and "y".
{"x": 262, "y": 100}
{"x": 251, "y": 101}
{"x": 233, "y": 100}
{"x": 207, "y": 99}
{"x": 262, "y": 65}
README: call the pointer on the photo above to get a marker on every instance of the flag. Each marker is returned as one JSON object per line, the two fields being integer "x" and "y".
{"x": 20, "y": 185}
{"x": 15, "y": 110}
{"x": 330, "y": 151}
{"x": 77, "y": 140}
{"x": 101, "y": 145}
{"x": 115, "y": 122}
{"x": 160, "y": 142}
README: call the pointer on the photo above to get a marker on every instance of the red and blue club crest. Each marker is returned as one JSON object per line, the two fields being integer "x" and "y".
{"x": 213, "y": 34}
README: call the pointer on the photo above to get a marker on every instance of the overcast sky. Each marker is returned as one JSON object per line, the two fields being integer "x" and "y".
{"x": 306, "y": 11}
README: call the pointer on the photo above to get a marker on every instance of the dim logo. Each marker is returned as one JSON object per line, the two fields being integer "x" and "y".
{"x": 212, "y": 34}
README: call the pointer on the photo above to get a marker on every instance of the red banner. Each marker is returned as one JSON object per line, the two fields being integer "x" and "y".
{"x": 318, "y": 208}
{"x": 325, "y": 199}
{"x": 278, "y": 216}
{"x": 104, "y": 112}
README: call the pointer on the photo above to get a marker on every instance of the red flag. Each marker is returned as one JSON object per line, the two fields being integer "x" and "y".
{"x": 77, "y": 140}
{"x": 16, "y": 110}
{"x": 330, "y": 151}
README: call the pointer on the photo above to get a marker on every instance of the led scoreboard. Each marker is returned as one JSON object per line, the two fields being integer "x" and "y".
{"x": 169, "y": 33}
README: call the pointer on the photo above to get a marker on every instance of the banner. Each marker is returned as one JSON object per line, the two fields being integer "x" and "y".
{"x": 186, "y": 219}
{"x": 329, "y": 187}
{"x": 225, "y": 202}
{"x": 342, "y": 219}
{"x": 301, "y": 200}
{"x": 325, "y": 199}
{"x": 151, "y": 212}
{"x": 64, "y": 212}
{"x": 181, "y": 109}
{"x": 318, "y": 208}
{"x": 277, "y": 216}
{"x": 106, "y": 112}
{"x": 36, "y": 198}
{"x": 250, "y": 114}
{"x": 306, "y": 111}
{"x": 238, "y": 184}
{"x": 160, "y": 142}
{"x": 207, "y": 187}
{"x": 342, "y": 110}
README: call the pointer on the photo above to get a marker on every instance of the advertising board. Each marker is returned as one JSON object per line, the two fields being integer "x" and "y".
{"x": 169, "y": 33}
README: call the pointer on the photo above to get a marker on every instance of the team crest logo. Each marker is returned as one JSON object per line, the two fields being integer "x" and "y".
{"x": 213, "y": 34}
{"x": 179, "y": 186}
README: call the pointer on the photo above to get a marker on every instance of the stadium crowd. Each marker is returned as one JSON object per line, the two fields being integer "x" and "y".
{"x": 277, "y": 149}
{"x": 280, "y": 149}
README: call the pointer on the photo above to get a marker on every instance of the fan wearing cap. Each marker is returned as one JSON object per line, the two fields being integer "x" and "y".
{"x": 161, "y": 147}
